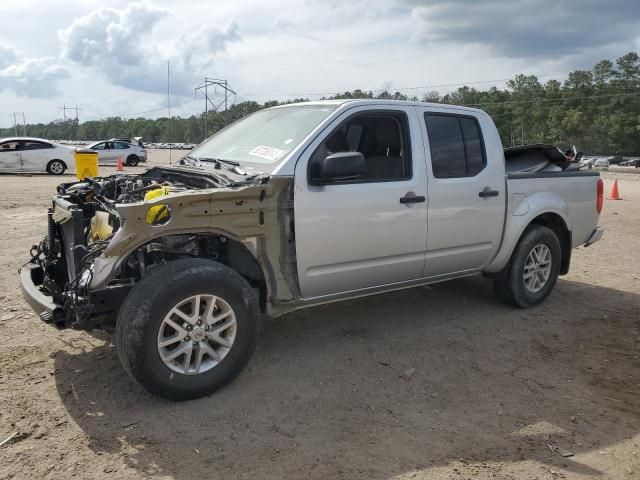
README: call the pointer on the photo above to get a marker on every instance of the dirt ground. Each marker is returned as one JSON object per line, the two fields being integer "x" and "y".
{"x": 329, "y": 392}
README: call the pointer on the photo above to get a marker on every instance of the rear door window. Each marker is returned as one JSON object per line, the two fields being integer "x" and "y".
{"x": 31, "y": 145}
{"x": 457, "y": 149}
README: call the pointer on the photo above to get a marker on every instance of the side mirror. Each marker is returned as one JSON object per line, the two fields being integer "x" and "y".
{"x": 340, "y": 166}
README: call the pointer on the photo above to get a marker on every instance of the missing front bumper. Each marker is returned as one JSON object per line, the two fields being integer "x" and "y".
{"x": 31, "y": 277}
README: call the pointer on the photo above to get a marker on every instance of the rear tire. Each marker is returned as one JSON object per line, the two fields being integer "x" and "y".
{"x": 133, "y": 160}
{"x": 56, "y": 167}
{"x": 533, "y": 269}
{"x": 146, "y": 339}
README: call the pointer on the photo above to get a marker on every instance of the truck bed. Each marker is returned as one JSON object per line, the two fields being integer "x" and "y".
{"x": 570, "y": 191}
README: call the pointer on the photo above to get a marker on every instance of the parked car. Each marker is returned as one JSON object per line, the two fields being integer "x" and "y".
{"x": 26, "y": 154}
{"x": 110, "y": 151}
{"x": 587, "y": 162}
{"x": 601, "y": 163}
{"x": 632, "y": 162}
{"x": 296, "y": 206}
{"x": 133, "y": 141}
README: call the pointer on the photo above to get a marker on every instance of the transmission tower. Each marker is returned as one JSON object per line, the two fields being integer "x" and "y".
{"x": 203, "y": 89}
{"x": 64, "y": 109}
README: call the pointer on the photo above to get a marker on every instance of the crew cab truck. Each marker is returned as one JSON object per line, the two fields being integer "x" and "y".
{"x": 295, "y": 206}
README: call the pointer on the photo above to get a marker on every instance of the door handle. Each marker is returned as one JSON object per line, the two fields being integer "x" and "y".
{"x": 487, "y": 192}
{"x": 411, "y": 197}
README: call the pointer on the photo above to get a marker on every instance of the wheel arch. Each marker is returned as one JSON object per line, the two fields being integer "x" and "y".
{"x": 541, "y": 209}
{"x": 66, "y": 165}
{"x": 239, "y": 255}
{"x": 556, "y": 223}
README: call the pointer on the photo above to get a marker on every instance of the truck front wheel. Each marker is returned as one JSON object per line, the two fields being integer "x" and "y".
{"x": 187, "y": 328}
{"x": 533, "y": 269}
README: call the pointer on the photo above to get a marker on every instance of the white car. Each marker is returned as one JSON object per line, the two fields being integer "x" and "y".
{"x": 601, "y": 163}
{"x": 25, "y": 154}
{"x": 110, "y": 151}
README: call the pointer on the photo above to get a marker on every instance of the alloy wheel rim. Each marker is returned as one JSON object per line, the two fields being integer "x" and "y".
{"x": 197, "y": 334}
{"x": 56, "y": 167}
{"x": 537, "y": 268}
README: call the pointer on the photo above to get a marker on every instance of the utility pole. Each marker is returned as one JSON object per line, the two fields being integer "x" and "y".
{"x": 24, "y": 125}
{"x": 15, "y": 124}
{"x": 203, "y": 88}
{"x": 169, "y": 107}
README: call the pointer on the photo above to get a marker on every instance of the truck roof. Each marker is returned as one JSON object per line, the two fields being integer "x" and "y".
{"x": 377, "y": 101}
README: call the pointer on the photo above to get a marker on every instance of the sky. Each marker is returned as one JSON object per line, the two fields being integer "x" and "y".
{"x": 109, "y": 58}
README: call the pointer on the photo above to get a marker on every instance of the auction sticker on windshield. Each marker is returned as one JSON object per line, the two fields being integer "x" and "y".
{"x": 268, "y": 153}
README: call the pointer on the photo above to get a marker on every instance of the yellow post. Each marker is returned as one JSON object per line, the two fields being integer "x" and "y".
{"x": 86, "y": 163}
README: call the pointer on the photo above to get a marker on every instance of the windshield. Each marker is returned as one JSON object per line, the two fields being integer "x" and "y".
{"x": 265, "y": 137}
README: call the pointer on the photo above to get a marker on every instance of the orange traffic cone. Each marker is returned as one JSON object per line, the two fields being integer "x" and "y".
{"x": 120, "y": 165}
{"x": 615, "y": 195}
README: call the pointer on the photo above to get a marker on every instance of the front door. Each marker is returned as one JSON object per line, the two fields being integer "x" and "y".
{"x": 35, "y": 155}
{"x": 360, "y": 233}
{"x": 466, "y": 191}
{"x": 106, "y": 154}
{"x": 10, "y": 156}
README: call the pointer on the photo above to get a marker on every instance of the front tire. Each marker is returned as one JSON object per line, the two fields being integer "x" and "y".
{"x": 56, "y": 167}
{"x": 533, "y": 269}
{"x": 187, "y": 328}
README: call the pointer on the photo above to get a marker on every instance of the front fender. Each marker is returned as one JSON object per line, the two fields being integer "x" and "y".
{"x": 256, "y": 216}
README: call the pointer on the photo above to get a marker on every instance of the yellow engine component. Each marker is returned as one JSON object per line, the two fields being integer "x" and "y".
{"x": 100, "y": 228}
{"x": 158, "y": 214}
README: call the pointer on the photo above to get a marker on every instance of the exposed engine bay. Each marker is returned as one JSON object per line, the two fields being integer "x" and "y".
{"x": 84, "y": 219}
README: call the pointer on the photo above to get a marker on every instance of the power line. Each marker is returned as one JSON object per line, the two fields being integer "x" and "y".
{"x": 442, "y": 85}
{"x": 542, "y": 100}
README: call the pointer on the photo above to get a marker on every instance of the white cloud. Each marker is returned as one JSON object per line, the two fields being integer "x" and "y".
{"x": 120, "y": 44}
{"x": 30, "y": 77}
{"x": 110, "y": 34}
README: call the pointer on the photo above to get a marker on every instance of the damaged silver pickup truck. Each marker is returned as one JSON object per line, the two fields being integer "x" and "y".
{"x": 296, "y": 206}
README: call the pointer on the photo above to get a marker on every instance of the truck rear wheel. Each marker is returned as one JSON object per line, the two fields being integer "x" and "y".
{"x": 187, "y": 328}
{"x": 533, "y": 269}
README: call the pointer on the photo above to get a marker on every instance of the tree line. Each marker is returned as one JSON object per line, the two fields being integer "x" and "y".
{"x": 598, "y": 110}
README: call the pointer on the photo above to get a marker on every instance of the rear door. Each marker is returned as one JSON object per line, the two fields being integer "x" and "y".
{"x": 357, "y": 234}
{"x": 10, "y": 156}
{"x": 122, "y": 150}
{"x": 35, "y": 155}
{"x": 466, "y": 191}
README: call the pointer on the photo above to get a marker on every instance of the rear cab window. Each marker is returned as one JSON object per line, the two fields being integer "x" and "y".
{"x": 456, "y": 144}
